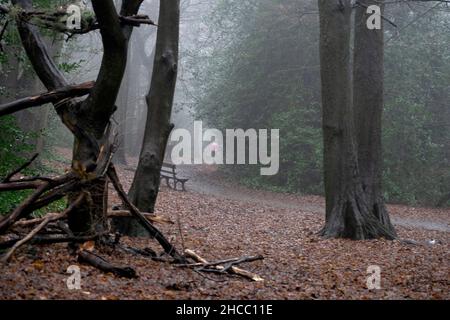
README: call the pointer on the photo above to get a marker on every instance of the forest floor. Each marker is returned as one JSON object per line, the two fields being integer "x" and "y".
{"x": 219, "y": 220}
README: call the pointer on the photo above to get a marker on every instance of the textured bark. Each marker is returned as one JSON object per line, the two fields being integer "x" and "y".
{"x": 145, "y": 187}
{"x": 347, "y": 211}
{"x": 47, "y": 97}
{"x": 90, "y": 119}
{"x": 368, "y": 94}
{"x": 120, "y": 157}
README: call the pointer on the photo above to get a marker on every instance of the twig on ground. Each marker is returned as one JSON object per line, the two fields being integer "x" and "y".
{"x": 228, "y": 268}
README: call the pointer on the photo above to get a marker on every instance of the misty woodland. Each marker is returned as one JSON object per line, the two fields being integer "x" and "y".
{"x": 224, "y": 149}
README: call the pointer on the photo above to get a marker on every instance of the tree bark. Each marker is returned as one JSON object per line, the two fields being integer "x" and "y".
{"x": 347, "y": 211}
{"x": 368, "y": 99}
{"x": 145, "y": 187}
{"x": 90, "y": 119}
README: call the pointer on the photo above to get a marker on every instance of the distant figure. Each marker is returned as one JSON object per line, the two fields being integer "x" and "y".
{"x": 214, "y": 148}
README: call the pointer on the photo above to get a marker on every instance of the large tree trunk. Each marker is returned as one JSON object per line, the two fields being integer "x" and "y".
{"x": 92, "y": 116}
{"x": 347, "y": 211}
{"x": 145, "y": 187}
{"x": 368, "y": 94}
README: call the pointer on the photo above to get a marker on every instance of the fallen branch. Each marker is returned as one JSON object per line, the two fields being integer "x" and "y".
{"x": 228, "y": 268}
{"x": 9, "y": 220}
{"x": 19, "y": 169}
{"x": 148, "y": 216}
{"x": 154, "y": 232}
{"x": 51, "y": 240}
{"x": 49, "y": 218}
{"x": 2, "y": 33}
{"x": 98, "y": 262}
{"x": 21, "y": 242}
{"x": 231, "y": 262}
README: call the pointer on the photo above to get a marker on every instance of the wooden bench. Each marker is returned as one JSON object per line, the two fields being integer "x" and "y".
{"x": 168, "y": 172}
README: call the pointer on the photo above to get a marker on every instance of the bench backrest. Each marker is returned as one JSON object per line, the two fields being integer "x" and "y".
{"x": 168, "y": 168}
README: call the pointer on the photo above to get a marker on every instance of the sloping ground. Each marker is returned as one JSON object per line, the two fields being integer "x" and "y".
{"x": 297, "y": 264}
{"x": 207, "y": 180}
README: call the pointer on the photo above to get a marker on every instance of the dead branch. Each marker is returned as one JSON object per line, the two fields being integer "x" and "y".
{"x": 357, "y": 3}
{"x": 54, "y": 96}
{"x": 154, "y": 232}
{"x": 62, "y": 238}
{"x": 19, "y": 169}
{"x": 32, "y": 222}
{"x": 231, "y": 268}
{"x": 231, "y": 262}
{"x": 16, "y": 185}
{"x": 9, "y": 220}
{"x": 137, "y": 20}
{"x": 4, "y": 9}
{"x": 56, "y": 189}
{"x": 49, "y": 218}
{"x": 2, "y": 33}
{"x": 98, "y": 262}
{"x": 148, "y": 216}
{"x": 35, "y": 182}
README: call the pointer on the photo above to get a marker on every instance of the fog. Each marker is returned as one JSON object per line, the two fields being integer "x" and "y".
{"x": 255, "y": 64}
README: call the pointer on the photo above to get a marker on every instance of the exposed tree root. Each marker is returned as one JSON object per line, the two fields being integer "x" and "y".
{"x": 351, "y": 218}
{"x": 382, "y": 215}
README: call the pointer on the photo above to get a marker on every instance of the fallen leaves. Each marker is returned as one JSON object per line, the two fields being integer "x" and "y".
{"x": 298, "y": 264}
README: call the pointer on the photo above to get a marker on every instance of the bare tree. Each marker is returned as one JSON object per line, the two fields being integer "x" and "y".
{"x": 145, "y": 187}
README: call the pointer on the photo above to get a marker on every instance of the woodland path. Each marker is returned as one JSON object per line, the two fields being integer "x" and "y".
{"x": 207, "y": 180}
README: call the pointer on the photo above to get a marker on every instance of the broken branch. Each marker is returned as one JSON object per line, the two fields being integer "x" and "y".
{"x": 148, "y": 216}
{"x": 19, "y": 169}
{"x": 231, "y": 269}
{"x": 100, "y": 263}
{"x": 154, "y": 232}
{"x": 49, "y": 218}
{"x": 54, "y": 96}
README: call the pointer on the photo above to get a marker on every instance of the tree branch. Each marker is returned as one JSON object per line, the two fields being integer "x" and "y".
{"x": 49, "y": 218}
{"x": 19, "y": 169}
{"x": 54, "y": 97}
{"x": 154, "y": 232}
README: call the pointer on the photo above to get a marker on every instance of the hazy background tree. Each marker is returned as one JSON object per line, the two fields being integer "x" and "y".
{"x": 245, "y": 42}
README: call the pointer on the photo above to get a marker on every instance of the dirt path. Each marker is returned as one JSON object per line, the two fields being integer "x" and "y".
{"x": 207, "y": 180}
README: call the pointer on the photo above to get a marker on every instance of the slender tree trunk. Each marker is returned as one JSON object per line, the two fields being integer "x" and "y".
{"x": 145, "y": 187}
{"x": 347, "y": 211}
{"x": 368, "y": 94}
